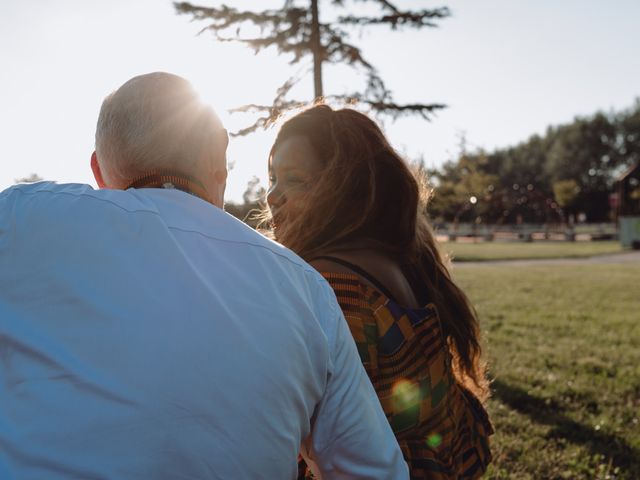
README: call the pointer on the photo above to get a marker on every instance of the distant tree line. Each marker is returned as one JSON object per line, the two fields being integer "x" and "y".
{"x": 570, "y": 170}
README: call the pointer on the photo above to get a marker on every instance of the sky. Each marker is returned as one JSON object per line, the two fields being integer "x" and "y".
{"x": 506, "y": 69}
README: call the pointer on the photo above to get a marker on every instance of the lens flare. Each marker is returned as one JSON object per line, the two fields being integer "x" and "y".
{"x": 404, "y": 394}
{"x": 434, "y": 440}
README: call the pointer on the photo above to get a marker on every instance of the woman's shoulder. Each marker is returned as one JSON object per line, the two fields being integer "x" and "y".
{"x": 359, "y": 265}
{"x": 326, "y": 264}
{"x": 371, "y": 268}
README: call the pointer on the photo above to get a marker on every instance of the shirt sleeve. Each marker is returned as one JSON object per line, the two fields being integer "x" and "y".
{"x": 351, "y": 437}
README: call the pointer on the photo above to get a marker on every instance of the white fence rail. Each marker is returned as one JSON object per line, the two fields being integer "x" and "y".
{"x": 527, "y": 232}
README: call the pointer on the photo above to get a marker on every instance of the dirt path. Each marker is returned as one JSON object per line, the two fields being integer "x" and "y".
{"x": 629, "y": 257}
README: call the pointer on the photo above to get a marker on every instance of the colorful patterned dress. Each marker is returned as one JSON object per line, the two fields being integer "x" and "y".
{"x": 441, "y": 427}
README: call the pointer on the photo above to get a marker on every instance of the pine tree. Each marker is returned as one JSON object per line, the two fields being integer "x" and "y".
{"x": 299, "y": 33}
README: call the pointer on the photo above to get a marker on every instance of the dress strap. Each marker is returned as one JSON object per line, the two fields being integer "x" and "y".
{"x": 360, "y": 271}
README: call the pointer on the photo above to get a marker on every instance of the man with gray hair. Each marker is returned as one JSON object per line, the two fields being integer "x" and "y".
{"x": 144, "y": 333}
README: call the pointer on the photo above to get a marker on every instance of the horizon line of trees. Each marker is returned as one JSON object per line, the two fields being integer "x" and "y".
{"x": 568, "y": 172}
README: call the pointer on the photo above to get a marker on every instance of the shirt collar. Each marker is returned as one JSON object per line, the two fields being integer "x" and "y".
{"x": 171, "y": 180}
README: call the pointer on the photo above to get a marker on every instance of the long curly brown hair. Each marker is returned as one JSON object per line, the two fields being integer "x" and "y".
{"x": 366, "y": 191}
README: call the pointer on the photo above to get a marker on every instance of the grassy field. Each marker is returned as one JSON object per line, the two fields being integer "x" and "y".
{"x": 483, "y": 251}
{"x": 563, "y": 344}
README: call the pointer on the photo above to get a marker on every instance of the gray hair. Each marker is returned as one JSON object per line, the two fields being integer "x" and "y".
{"x": 153, "y": 122}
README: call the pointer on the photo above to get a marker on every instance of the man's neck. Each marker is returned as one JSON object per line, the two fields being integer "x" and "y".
{"x": 172, "y": 180}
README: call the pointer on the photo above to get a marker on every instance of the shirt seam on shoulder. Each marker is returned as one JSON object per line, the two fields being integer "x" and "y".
{"x": 243, "y": 242}
{"x": 85, "y": 194}
{"x": 141, "y": 210}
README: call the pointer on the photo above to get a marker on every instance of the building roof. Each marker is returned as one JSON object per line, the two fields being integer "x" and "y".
{"x": 628, "y": 172}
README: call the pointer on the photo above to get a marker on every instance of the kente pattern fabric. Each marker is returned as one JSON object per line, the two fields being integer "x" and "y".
{"x": 441, "y": 427}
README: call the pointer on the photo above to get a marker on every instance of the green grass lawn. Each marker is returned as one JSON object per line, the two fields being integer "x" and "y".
{"x": 563, "y": 344}
{"x": 483, "y": 251}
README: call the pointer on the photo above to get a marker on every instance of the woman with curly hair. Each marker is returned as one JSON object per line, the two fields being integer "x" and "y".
{"x": 345, "y": 201}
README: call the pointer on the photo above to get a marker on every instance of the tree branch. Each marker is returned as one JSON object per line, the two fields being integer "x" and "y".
{"x": 394, "y": 110}
{"x": 416, "y": 19}
{"x": 288, "y": 28}
{"x": 273, "y": 112}
{"x": 383, "y": 3}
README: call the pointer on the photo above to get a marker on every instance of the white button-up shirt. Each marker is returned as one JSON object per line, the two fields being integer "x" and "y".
{"x": 146, "y": 334}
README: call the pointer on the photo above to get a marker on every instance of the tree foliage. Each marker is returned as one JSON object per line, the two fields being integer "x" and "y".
{"x": 295, "y": 30}
{"x": 565, "y": 192}
{"x": 463, "y": 189}
{"x": 250, "y": 210}
{"x": 571, "y": 169}
{"x": 33, "y": 178}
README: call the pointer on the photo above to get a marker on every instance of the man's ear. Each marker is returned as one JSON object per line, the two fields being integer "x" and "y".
{"x": 97, "y": 173}
{"x": 220, "y": 176}
{"x": 218, "y": 157}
